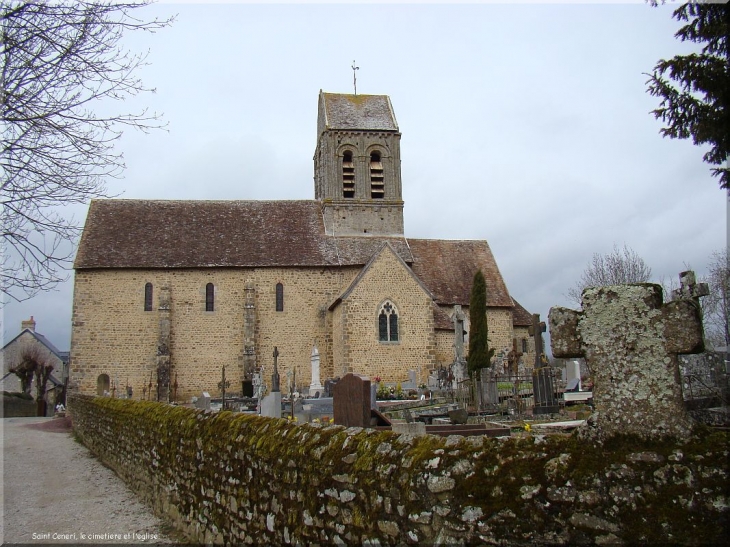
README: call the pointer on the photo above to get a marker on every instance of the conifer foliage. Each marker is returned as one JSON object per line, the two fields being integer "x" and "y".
{"x": 480, "y": 355}
{"x": 695, "y": 88}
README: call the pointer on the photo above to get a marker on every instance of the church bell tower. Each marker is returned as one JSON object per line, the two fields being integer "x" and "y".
{"x": 357, "y": 174}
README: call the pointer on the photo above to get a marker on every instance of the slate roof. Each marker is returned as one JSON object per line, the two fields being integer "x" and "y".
{"x": 62, "y": 355}
{"x": 441, "y": 319}
{"x": 358, "y": 112}
{"x": 447, "y": 268}
{"x": 520, "y": 316}
{"x": 123, "y": 233}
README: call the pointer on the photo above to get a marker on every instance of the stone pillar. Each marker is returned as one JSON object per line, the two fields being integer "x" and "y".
{"x": 249, "y": 339}
{"x": 164, "y": 365}
{"x": 630, "y": 341}
{"x": 316, "y": 385}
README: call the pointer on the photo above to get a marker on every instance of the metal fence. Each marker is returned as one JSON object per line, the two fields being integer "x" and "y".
{"x": 512, "y": 394}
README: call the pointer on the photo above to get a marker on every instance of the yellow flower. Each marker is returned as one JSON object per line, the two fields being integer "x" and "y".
{"x": 527, "y": 427}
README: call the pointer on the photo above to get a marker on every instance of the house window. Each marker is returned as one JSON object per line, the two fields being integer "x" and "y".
{"x": 524, "y": 345}
{"x": 348, "y": 175}
{"x": 148, "y": 297}
{"x": 388, "y": 323}
{"x": 210, "y": 297}
{"x": 279, "y": 297}
{"x": 377, "y": 181}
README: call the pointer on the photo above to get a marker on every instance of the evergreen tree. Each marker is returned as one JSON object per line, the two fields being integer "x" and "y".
{"x": 480, "y": 355}
{"x": 697, "y": 103}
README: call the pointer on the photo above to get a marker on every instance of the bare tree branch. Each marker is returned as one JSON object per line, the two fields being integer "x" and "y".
{"x": 59, "y": 59}
{"x": 618, "y": 267}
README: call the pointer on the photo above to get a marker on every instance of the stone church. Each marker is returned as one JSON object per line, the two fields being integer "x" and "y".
{"x": 168, "y": 292}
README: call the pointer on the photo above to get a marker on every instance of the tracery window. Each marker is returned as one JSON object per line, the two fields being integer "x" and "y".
{"x": 388, "y": 323}
{"x": 348, "y": 175}
{"x": 210, "y": 297}
{"x": 279, "y": 297}
{"x": 377, "y": 179}
{"x": 148, "y": 297}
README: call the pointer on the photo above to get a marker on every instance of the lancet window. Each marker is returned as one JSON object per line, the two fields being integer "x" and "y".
{"x": 210, "y": 297}
{"x": 148, "y": 297}
{"x": 388, "y": 323}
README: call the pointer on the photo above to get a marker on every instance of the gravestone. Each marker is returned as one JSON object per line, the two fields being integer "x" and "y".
{"x": 271, "y": 403}
{"x": 316, "y": 389}
{"x": 203, "y": 401}
{"x": 543, "y": 388}
{"x": 630, "y": 341}
{"x": 351, "y": 401}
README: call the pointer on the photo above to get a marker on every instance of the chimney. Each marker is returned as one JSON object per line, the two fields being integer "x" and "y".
{"x": 29, "y": 324}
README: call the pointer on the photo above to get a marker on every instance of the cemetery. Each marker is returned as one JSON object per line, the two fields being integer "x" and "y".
{"x": 640, "y": 469}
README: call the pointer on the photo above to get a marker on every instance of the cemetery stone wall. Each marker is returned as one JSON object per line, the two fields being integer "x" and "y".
{"x": 240, "y": 479}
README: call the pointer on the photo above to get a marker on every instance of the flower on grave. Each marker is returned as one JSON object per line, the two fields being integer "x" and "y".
{"x": 332, "y": 420}
{"x": 528, "y": 428}
{"x": 316, "y": 420}
{"x": 377, "y": 379}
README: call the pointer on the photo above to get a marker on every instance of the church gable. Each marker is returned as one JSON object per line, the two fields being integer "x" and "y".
{"x": 384, "y": 320}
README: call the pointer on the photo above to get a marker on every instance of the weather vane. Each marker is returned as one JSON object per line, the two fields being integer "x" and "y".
{"x": 354, "y": 75}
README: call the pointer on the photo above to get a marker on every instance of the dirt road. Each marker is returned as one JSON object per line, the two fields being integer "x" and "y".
{"x": 56, "y": 492}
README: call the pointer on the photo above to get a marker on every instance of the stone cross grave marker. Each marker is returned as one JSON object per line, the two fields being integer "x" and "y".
{"x": 275, "y": 379}
{"x": 351, "y": 401}
{"x": 630, "y": 341}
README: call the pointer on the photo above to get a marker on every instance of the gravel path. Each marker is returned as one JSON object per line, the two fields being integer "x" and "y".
{"x": 55, "y": 491}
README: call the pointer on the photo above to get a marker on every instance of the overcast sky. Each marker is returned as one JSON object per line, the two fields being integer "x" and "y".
{"x": 526, "y": 125}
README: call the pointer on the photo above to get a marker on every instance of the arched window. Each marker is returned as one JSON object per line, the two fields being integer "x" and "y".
{"x": 279, "y": 297}
{"x": 102, "y": 384}
{"x": 348, "y": 175}
{"x": 388, "y": 323}
{"x": 377, "y": 179}
{"x": 148, "y": 297}
{"x": 210, "y": 297}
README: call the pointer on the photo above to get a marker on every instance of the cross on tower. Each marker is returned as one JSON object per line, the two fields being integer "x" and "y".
{"x": 354, "y": 75}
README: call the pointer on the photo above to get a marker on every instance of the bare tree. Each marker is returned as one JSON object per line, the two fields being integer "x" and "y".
{"x": 59, "y": 60}
{"x": 34, "y": 364}
{"x": 618, "y": 267}
{"x": 716, "y": 306}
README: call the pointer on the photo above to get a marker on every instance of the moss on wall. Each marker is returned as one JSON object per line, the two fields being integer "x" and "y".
{"x": 233, "y": 478}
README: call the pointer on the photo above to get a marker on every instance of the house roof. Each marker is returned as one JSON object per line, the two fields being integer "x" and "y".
{"x": 356, "y": 112}
{"x": 141, "y": 234}
{"x": 123, "y": 233}
{"x": 441, "y": 319}
{"x": 447, "y": 268}
{"x": 520, "y": 316}
{"x": 62, "y": 355}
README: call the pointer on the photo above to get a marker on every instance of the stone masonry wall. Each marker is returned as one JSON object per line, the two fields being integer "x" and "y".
{"x": 363, "y": 353}
{"x": 112, "y": 334}
{"x": 239, "y": 479}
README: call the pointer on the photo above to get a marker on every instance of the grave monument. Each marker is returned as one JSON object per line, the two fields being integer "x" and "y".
{"x": 630, "y": 340}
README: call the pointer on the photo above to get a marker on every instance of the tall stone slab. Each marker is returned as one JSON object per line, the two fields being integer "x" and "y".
{"x": 163, "y": 345}
{"x": 630, "y": 342}
{"x": 249, "y": 337}
{"x": 351, "y": 401}
{"x": 316, "y": 389}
